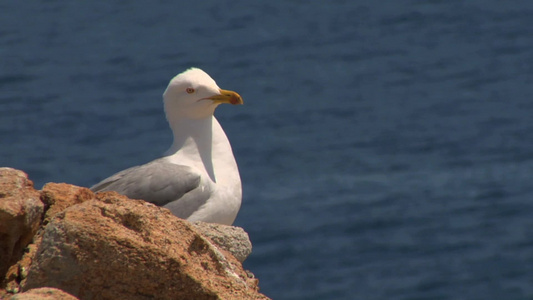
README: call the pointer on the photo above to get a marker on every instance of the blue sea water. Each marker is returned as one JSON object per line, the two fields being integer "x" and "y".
{"x": 385, "y": 147}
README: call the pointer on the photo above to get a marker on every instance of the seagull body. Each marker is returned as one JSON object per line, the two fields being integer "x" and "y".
{"x": 198, "y": 178}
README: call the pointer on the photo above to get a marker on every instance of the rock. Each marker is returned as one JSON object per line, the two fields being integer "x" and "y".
{"x": 117, "y": 248}
{"x": 56, "y": 197}
{"x": 21, "y": 212}
{"x": 59, "y": 196}
{"x": 19, "y": 271}
{"x": 107, "y": 246}
{"x": 43, "y": 294}
{"x": 230, "y": 238}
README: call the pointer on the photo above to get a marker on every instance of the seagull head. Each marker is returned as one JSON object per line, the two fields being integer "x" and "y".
{"x": 193, "y": 94}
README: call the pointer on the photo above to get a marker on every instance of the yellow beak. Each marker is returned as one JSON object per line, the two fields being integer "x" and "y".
{"x": 226, "y": 96}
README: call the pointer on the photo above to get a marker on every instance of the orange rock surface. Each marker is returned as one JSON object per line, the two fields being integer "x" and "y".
{"x": 107, "y": 246}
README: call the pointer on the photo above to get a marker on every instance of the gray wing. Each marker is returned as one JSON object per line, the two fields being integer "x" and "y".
{"x": 177, "y": 187}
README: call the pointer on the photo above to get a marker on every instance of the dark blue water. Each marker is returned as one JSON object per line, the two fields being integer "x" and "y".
{"x": 386, "y": 147}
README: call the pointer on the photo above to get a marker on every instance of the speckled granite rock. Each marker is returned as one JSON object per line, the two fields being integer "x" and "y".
{"x": 107, "y": 246}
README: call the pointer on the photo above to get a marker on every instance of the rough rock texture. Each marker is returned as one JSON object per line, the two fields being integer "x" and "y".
{"x": 43, "y": 294}
{"x": 59, "y": 196}
{"x": 107, "y": 246}
{"x": 56, "y": 197}
{"x": 20, "y": 215}
{"x": 130, "y": 249}
{"x": 230, "y": 238}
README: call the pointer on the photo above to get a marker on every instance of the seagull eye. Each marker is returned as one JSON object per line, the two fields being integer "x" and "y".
{"x": 189, "y": 90}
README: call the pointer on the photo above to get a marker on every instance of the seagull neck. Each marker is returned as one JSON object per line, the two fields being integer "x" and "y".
{"x": 193, "y": 140}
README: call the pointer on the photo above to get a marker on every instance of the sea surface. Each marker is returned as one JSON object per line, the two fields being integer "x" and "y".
{"x": 385, "y": 147}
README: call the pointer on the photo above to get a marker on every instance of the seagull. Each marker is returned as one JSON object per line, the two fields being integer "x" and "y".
{"x": 197, "y": 178}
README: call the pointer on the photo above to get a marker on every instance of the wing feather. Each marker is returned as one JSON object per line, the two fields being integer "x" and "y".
{"x": 177, "y": 187}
